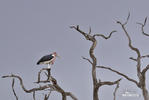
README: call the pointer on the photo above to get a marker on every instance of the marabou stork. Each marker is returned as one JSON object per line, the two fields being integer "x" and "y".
{"x": 48, "y": 59}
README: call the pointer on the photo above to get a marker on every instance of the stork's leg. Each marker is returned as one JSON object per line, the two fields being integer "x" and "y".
{"x": 49, "y": 72}
{"x": 49, "y": 66}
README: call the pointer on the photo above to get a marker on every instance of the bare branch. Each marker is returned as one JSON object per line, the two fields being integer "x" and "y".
{"x": 145, "y": 69}
{"x": 105, "y": 37}
{"x": 30, "y": 90}
{"x": 13, "y": 81}
{"x": 87, "y": 60}
{"x": 114, "y": 93}
{"x": 54, "y": 87}
{"x": 71, "y": 95}
{"x": 145, "y": 56}
{"x": 87, "y": 36}
{"x": 133, "y": 59}
{"x": 108, "y": 82}
{"x": 90, "y": 30}
{"x": 119, "y": 73}
{"x": 142, "y": 27}
{"x": 127, "y": 18}
{"x": 129, "y": 39}
{"x": 133, "y": 49}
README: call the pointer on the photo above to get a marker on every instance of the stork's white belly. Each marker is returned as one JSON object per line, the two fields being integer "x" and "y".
{"x": 46, "y": 62}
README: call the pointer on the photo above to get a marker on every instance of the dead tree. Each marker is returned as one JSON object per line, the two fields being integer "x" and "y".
{"x": 50, "y": 84}
{"x": 97, "y": 83}
{"x": 141, "y": 72}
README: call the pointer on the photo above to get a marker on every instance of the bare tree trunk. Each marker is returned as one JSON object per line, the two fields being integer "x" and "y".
{"x": 145, "y": 93}
{"x": 95, "y": 87}
{"x": 95, "y": 93}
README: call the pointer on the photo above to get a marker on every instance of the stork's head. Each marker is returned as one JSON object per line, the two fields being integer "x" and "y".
{"x": 55, "y": 54}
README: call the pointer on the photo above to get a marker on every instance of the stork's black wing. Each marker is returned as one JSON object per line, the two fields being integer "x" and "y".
{"x": 45, "y": 58}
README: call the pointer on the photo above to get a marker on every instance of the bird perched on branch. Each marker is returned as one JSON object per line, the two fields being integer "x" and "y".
{"x": 48, "y": 59}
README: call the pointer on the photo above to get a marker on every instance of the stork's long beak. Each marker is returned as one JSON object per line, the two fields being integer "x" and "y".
{"x": 58, "y": 56}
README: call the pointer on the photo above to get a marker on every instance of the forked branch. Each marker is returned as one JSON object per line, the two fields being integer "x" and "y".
{"x": 142, "y": 27}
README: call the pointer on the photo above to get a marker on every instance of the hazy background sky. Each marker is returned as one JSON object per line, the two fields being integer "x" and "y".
{"x": 30, "y": 29}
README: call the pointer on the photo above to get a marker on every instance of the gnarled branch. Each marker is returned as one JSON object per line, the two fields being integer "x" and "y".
{"x": 53, "y": 87}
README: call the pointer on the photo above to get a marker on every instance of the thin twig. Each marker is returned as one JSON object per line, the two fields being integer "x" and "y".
{"x": 13, "y": 81}
{"x": 133, "y": 59}
{"x": 116, "y": 88}
{"x": 127, "y": 19}
{"x": 145, "y": 56}
{"x": 90, "y": 30}
{"x": 87, "y": 60}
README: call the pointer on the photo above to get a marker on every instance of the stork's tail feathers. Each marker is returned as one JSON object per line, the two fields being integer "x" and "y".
{"x": 38, "y": 63}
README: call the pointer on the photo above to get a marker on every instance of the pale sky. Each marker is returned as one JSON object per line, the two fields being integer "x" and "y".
{"x": 30, "y": 29}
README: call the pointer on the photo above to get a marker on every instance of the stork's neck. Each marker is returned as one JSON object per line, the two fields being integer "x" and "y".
{"x": 53, "y": 55}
